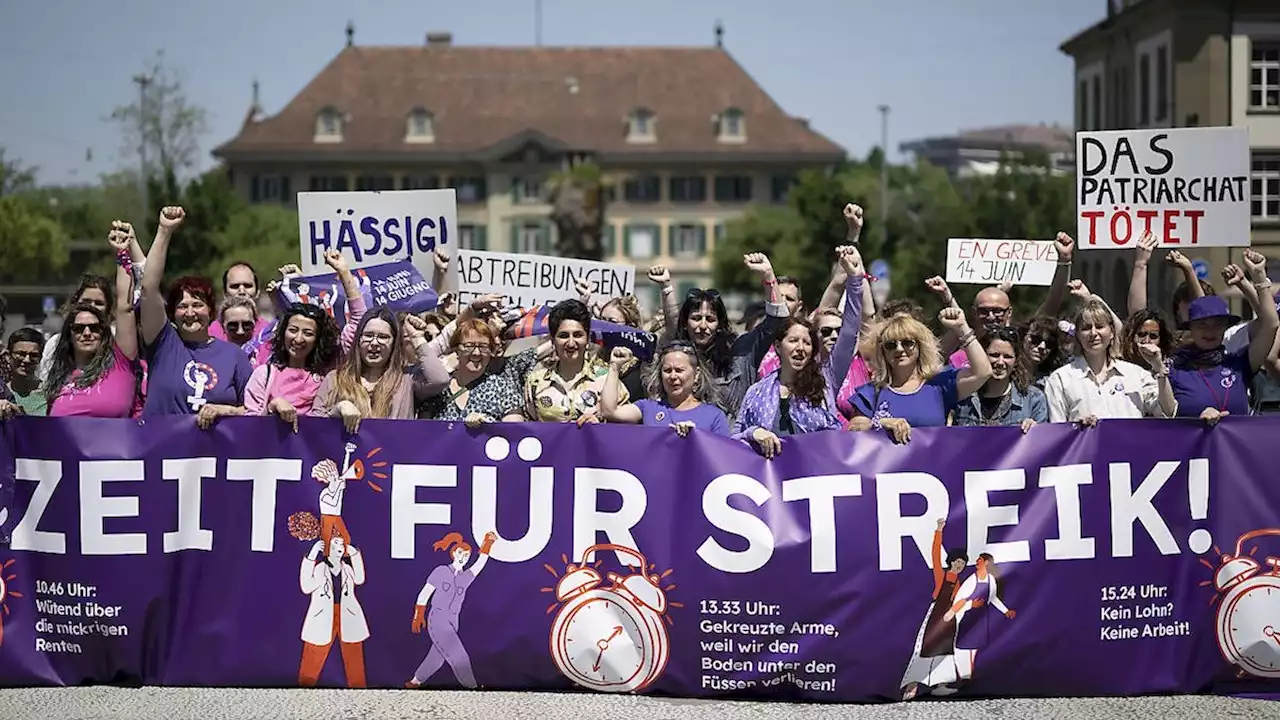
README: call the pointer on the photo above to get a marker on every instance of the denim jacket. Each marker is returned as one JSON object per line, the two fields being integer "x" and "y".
{"x": 1022, "y": 405}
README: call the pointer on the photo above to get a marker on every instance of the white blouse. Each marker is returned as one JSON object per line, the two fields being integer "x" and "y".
{"x": 1125, "y": 391}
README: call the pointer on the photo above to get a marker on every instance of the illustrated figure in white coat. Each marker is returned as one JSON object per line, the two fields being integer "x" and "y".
{"x": 446, "y": 589}
{"x": 334, "y": 613}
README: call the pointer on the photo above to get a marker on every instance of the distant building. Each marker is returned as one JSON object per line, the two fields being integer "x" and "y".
{"x": 1185, "y": 63}
{"x": 686, "y": 136}
{"x": 978, "y": 152}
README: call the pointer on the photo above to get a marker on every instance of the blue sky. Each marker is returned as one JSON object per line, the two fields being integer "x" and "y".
{"x": 941, "y": 65}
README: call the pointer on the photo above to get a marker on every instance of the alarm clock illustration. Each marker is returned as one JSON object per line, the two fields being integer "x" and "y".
{"x": 1248, "y": 620}
{"x": 610, "y": 637}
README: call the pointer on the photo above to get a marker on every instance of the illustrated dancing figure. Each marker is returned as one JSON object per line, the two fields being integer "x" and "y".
{"x": 445, "y": 590}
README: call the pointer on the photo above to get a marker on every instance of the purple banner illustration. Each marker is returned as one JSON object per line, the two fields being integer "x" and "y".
{"x": 396, "y": 285}
{"x": 1137, "y": 557}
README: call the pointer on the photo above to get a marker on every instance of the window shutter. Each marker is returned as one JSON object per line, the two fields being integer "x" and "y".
{"x": 702, "y": 239}
{"x": 515, "y": 189}
{"x": 545, "y": 241}
{"x": 479, "y": 238}
{"x": 255, "y": 189}
{"x": 626, "y": 240}
{"x": 662, "y": 239}
{"x": 609, "y": 240}
{"x": 719, "y": 233}
{"x": 515, "y": 237}
{"x": 286, "y": 194}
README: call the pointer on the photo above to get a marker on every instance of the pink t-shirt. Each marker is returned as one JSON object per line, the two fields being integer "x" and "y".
{"x": 295, "y": 385}
{"x": 111, "y": 397}
{"x": 959, "y": 359}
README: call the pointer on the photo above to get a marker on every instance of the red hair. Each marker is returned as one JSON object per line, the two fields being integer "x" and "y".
{"x": 195, "y": 286}
{"x": 452, "y": 541}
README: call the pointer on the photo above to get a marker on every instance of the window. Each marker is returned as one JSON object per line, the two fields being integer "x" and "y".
{"x": 780, "y": 187}
{"x": 642, "y": 241}
{"x": 1144, "y": 90}
{"x": 1264, "y": 78}
{"x": 1082, "y": 106}
{"x": 641, "y": 126}
{"x": 643, "y": 189}
{"x": 732, "y": 188}
{"x": 609, "y": 240}
{"x": 329, "y": 183}
{"x": 421, "y": 127}
{"x": 375, "y": 182}
{"x": 470, "y": 189}
{"x": 531, "y": 237}
{"x": 269, "y": 189}
{"x": 526, "y": 191}
{"x": 688, "y": 241}
{"x": 1096, "y": 108}
{"x": 419, "y": 182}
{"x": 1265, "y": 178}
{"x": 732, "y": 126}
{"x": 1162, "y": 83}
{"x": 472, "y": 237}
{"x": 329, "y": 126}
{"x": 689, "y": 189}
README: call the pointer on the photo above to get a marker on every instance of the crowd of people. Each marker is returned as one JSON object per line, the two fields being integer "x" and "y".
{"x": 137, "y": 345}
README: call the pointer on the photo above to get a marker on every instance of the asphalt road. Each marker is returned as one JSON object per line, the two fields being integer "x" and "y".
{"x": 217, "y": 704}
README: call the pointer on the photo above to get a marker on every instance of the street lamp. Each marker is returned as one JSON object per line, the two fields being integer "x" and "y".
{"x": 884, "y": 178}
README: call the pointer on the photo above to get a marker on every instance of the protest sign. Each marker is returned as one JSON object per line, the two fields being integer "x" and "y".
{"x": 531, "y": 280}
{"x": 397, "y": 285}
{"x": 991, "y": 262}
{"x": 375, "y": 227}
{"x": 1188, "y": 186}
{"x": 1135, "y": 558}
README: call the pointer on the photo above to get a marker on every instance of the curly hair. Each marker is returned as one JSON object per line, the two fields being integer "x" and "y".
{"x": 1021, "y": 373}
{"x": 1055, "y": 341}
{"x": 900, "y": 327}
{"x": 566, "y": 310}
{"x": 324, "y": 355}
{"x": 628, "y": 306}
{"x": 810, "y": 383}
{"x": 901, "y": 306}
{"x": 704, "y": 387}
{"x": 1129, "y": 336}
{"x": 63, "y": 363}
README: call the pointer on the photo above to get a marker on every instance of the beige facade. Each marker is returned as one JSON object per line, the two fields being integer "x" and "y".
{"x": 1185, "y": 63}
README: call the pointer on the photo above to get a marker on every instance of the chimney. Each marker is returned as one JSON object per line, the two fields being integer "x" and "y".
{"x": 439, "y": 39}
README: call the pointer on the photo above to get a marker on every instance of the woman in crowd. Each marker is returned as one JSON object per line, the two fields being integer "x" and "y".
{"x": 909, "y": 386}
{"x": 859, "y": 371}
{"x": 304, "y": 349}
{"x": 796, "y": 398}
{"x": 26, "y": 396}
{"x": 703, "y": 321}
{"x": 240, "y": 279}
{"x": 568, "y": 387}
{"x": 1209, "y": 382}
{"x": 239, "y": 318}
{"x": 434, "y": 322}
{"x": 1008, "y": 397}
{"x": 630, "y": 370}
{"x": 475, "y": 393}
{"x": 375, "y": 380}
{"x": 1145, "y": 327}
{"x": 1043, "y": 343}
{"x": 1097, "y": 385}
{"x": 93, "y": 371}
{"x": 190, "y": 373}
{"x": 681, "y": 395}
{"x": 96, "y": 291}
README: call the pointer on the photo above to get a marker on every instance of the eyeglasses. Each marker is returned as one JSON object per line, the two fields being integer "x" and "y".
{"x": 239, "y": 327}
{"x": 1147, "y": 335}
{"x": 1034, "y": 340}
{"x": 370, "y": 338}
{"x": 81, "y": 328}
{"x": 26, "y": 355}
{"x": 895, "y": 345}
{"x": 828, "y": 331}
{"x": 992, "y": 312}
{"x": 471, "y": 348}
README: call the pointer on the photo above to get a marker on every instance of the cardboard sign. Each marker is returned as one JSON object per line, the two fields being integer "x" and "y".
{"x": 991, "y": 262}
{"x": 532, "y": 280}
{"x": 1188, "y": 186}
{"x": 375, "y": 227}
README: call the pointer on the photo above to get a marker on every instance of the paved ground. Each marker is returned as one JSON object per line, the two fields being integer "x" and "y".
{"x": 182, "y": 704}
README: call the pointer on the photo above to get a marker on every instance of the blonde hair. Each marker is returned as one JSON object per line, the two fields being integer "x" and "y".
{"x": 1092, "y": 313}
{"x": 900, "y": 327}
{"x": 628, "y": 306}
{"x": 347, "y": 378}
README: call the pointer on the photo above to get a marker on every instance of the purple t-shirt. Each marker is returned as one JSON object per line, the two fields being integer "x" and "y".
{"x": 704, "y": 417}
{"x": 181, "y": 378}
{"x": 1225, "y": 387}
{"x": 450, "y": 591}
{"x": 927, "y": 407}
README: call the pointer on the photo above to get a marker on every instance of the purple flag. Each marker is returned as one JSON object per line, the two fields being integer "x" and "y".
{"x": 397, "y": 285}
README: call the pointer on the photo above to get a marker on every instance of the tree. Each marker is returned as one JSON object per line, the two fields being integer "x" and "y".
{"x": 33, "y": 242}
{"x": 265, "y": 236}
{"x": 578, "y": 211}
{"x": 162, "y": 123}
{"x": 14, "y": 177}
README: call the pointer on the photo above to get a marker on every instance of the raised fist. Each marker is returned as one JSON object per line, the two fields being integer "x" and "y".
{"x": 171, "y": 217}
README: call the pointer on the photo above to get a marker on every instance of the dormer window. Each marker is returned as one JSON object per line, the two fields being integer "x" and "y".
{"x": 731, "y": 126}
{"x": 421, "y": 127}
{"x": 329, "y": 126}
{"x": 642, "y": 126}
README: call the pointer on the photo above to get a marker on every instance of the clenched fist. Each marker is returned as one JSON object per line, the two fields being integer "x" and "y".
{"x": 171, "y": 218}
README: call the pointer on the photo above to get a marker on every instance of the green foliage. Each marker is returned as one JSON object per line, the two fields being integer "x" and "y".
{"x": 14, "y": 176}
{"x": 265, "y": 236}
{"x": 33, "y": 242}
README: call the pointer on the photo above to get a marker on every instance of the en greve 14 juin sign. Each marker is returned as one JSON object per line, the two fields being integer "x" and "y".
{"x": 1137, "y": 557}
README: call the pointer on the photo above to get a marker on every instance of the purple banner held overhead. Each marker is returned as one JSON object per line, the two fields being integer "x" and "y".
{"x": 1137, "y": 557}
{"x": 396, "y": 285}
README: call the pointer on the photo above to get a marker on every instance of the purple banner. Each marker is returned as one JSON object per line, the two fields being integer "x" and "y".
{"x": 1138, "y": 557}
{"x": 397, "y": 285}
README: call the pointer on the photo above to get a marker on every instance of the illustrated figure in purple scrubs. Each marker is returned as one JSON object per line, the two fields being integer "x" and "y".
{"x": 977, "y": 590}
{"x": 445, "y": 590}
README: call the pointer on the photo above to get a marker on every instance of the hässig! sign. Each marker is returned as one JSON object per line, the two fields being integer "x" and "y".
{"x": 375, "y": 227}
{"x": 1187, "y": 186}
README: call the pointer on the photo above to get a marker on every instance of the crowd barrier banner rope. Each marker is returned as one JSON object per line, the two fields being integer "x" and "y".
{"x": 1136, "y": 557}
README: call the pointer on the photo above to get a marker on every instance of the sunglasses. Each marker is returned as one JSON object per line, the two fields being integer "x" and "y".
{"x": 80, "y": 328}
{"x": 1147, "y": 335}
{"x": 1034, "y": 340}
{"x": 993, "y": 312}
{"x": 829, "y": 331}
{"x": 26, "y": 355}
{"x": 699, "y": 293}
{"x": 895, "y": 345}
{"x": 239, "y": 327}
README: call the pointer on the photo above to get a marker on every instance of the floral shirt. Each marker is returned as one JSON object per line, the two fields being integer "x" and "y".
{"x": 492, "y": 395}
{"x": 551, "y": 398}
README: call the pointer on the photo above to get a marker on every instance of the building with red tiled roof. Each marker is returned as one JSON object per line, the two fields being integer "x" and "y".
{"x": 687, "y": 137}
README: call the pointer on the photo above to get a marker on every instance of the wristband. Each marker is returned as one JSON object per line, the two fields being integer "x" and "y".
{"x": 124, "y": 260}
{"x": 1063, "y": 263}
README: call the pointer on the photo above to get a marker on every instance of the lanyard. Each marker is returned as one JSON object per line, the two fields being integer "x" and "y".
{"x": 1226, "y": 396}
